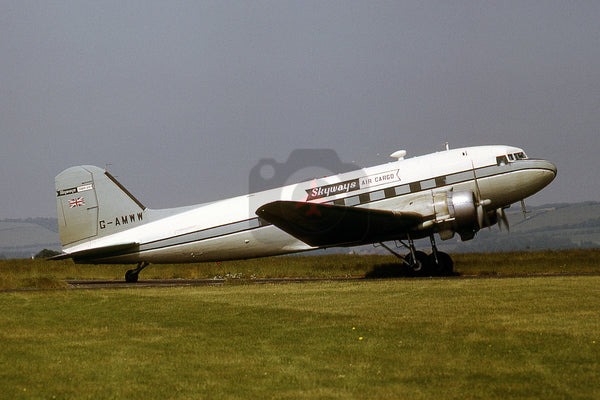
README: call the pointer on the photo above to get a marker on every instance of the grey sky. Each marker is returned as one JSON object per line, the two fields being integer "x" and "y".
{"x": 184, "y": 98}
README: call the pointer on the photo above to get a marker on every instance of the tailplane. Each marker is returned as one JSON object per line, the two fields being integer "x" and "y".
{"x": 91, "y": 203}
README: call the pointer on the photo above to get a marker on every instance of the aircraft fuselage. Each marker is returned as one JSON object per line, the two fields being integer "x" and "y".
{"x": 496, "y": 176}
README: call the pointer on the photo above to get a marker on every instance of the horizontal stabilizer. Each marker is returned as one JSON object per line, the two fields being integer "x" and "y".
{"x": 333, "y": 225}
{"x": 90, "y": 255}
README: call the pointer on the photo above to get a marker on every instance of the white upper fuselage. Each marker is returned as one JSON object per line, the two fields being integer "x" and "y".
{"x": 230, "y": 228}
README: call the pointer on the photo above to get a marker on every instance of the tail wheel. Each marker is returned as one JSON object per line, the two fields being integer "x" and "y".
{"x": 131, "y": 276}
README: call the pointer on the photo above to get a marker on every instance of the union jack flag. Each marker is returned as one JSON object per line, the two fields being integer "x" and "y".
{"x": 76, "y": 202}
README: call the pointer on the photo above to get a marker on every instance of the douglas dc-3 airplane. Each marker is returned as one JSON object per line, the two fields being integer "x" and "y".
{"x": 452, "y": 191}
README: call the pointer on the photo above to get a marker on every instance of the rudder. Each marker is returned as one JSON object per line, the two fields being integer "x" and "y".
{"x": 92, "y": 203}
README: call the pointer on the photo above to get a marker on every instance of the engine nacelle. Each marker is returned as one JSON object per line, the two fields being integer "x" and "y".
{"x": 456, "y": 212}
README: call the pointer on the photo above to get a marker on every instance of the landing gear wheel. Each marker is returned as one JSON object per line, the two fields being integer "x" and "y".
{"x": 420, "y": 265}
{"x": 444, "y": 265}
{"x": 131, "y": 276}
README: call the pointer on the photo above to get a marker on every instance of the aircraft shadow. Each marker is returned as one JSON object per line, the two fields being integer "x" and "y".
{"x": 397, "y": 270}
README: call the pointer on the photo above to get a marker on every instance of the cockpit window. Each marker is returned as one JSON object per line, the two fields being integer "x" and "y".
{"x": 511, "y": 157}
{"x": 501, "y": 160}
{"x": 520, "y": 156}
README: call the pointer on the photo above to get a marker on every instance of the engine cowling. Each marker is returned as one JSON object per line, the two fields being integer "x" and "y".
{"x": 456, "y": 212}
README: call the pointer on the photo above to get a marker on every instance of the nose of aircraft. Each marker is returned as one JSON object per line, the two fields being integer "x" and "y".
{"x": 545, "y": 172}
{"x": 551, "y": 168}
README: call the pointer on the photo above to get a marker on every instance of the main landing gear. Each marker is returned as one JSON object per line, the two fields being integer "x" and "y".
{"x": 131, "y": 276}
{"x": 437, "y": 263}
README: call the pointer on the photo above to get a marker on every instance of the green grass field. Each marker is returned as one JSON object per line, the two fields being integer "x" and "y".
{"x": 400, "y": 338}
{"x": 15, "y": 274}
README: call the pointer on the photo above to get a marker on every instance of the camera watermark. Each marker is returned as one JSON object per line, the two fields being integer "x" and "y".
{"x": 308, "y": 175}
{"x": 270, "y": 174}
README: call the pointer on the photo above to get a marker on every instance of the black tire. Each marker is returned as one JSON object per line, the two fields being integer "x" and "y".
{"x": 421, "y": 265}
{"x": 445, "y": 264}
{"x": 436, "y": 269}
{"x": 131, "y": 276}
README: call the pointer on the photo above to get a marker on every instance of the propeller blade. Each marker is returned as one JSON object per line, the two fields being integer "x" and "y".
{"x": 477, "y": 191}
{"x": 480, "y": 216}
{"x": 483, "y": 219}
{"x": 524, "y": 209}
{"x": 502, "y": 219}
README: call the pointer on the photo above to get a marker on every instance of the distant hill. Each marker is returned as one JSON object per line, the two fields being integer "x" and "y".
{"x": 551, "y": 226}
{"x": 22, "y": 238}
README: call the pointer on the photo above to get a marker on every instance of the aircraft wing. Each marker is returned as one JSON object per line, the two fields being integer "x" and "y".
{"x": 332, "y": 225}
{"x": 99, "y": 252}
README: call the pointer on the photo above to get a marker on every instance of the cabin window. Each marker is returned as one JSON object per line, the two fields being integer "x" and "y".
{"x": 378, "y": 195}
{"x": 501, "y": 160}
{"x": 390, "y": 192}
{"x": 338, "y": 202}
{"x": 352, "y": 201}
{"x": 404, "y": 189}
{"x": 440, "y": 181}
{"x": 428, "y": 184}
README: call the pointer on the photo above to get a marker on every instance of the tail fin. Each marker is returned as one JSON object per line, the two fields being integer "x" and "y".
{"x": 91, "y": 203}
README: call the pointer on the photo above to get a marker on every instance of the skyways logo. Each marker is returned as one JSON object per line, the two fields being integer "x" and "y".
{"x": 352, "y": 185}
{"x": 330, "y": 190}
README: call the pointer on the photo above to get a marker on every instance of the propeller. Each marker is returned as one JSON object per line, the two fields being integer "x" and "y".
{"x": 524, "y": 209}
{"x": 502, "y": 219}
{"x": 482, "y": 217}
